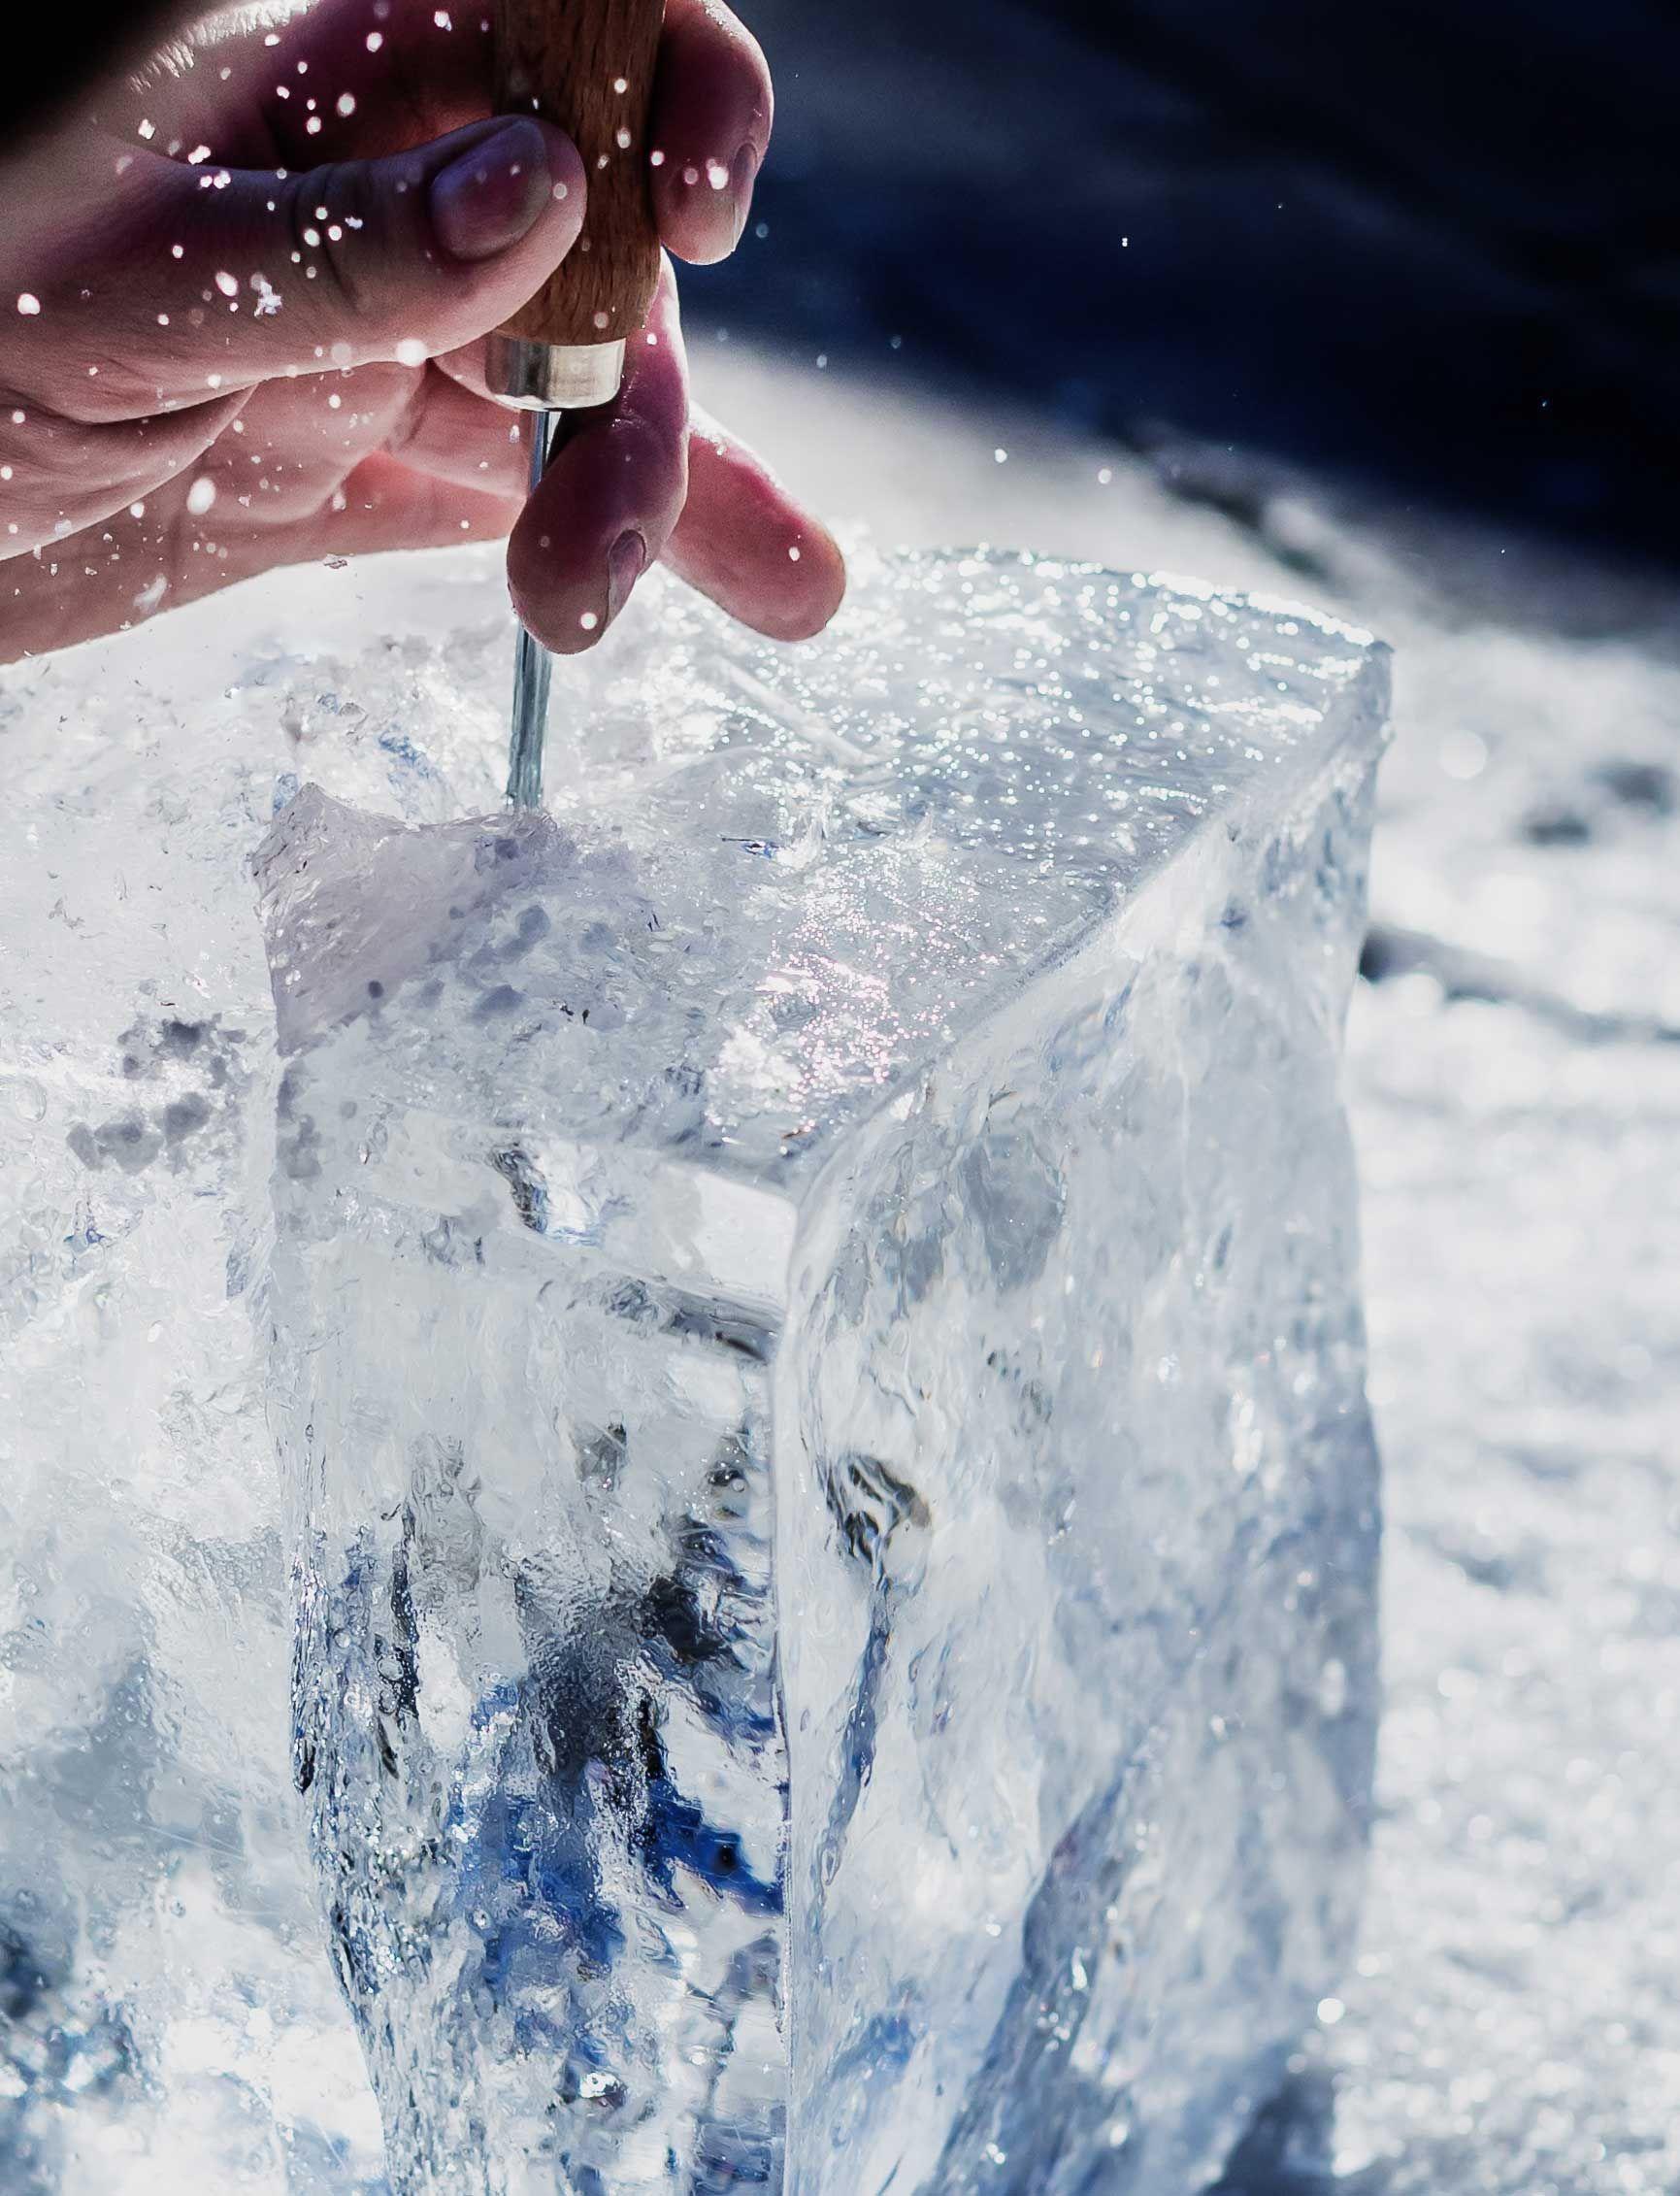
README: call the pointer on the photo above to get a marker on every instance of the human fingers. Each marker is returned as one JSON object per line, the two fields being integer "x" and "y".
{"x": 750, "y": 545}
{"x": 352, "y": 79}
{"x": 341, "y": 79}
{"x": 62, "y": 475}
{"x": 387, "y": 505}
{"x": 296, "y": 434}
{"x": 356, "y": 76}
{"x": 611, "y": 500}
{"x": 742, "y": 539}
{"x": 712, "y": 110}
{"x": 119, "y": 575}
{"x": 188, "y": 280}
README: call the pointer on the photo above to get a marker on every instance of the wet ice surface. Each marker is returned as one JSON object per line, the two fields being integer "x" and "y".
{"x": 1514, "y": 2023}
{"x": 902, "y": 1076}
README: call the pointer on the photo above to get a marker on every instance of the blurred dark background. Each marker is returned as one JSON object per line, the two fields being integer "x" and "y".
{"x": 1431, "y": 242}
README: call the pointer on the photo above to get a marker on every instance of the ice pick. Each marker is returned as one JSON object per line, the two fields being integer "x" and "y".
{"x": 587, "y": 66}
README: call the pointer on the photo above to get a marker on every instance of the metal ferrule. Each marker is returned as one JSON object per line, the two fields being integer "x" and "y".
{"x": 553, "y": 377}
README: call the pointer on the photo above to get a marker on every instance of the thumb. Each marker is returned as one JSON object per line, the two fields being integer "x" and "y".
{"x": 201, "y": 279}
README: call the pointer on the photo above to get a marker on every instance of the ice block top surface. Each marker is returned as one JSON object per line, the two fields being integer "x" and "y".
{"x": 775, "y": 882}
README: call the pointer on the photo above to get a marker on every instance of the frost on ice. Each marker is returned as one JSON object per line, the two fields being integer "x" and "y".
{"x": 820, "y": 1375}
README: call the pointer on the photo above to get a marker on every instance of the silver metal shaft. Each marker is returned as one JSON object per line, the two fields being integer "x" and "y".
{"x": 560, "y": 384}
{"x": 532, "y": 665}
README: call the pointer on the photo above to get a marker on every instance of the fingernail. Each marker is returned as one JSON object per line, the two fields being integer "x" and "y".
{"x": 742, "y": 174}
{"x": 493, "y": 194}
{"x": 624, "y": 567}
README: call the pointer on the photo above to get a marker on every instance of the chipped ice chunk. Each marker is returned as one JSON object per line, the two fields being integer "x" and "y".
{"x": 821, "y": 1370}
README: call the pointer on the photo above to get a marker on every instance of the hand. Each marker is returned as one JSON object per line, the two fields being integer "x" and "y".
{"x": 242, "y": 306}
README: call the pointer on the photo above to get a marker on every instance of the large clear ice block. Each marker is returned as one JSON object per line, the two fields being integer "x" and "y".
{"x": 820, "y": 1365}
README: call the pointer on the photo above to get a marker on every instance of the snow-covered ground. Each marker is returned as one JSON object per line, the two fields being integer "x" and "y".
{"x": 1514, "y": 2026}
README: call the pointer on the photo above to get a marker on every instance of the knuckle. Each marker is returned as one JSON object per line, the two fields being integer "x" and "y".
{"x": 333, "y": 222}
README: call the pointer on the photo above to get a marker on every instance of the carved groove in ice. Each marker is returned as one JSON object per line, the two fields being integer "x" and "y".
{"x": 821, "y": 1370}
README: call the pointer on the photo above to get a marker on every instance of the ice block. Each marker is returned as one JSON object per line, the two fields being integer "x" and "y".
{"x": 819, "y": 1361}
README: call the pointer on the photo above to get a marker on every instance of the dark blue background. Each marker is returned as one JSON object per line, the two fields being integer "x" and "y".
{"x": 1435, "y": 242}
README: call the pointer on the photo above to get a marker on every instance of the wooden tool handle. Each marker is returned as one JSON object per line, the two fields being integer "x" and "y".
{"x": 588, "y": 66}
